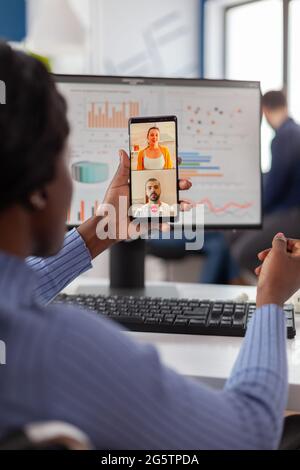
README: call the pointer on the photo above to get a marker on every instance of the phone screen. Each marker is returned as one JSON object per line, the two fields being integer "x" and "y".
{"x": 154, "y": 168}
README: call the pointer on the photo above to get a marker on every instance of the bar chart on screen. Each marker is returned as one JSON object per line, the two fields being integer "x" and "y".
{"x": 99, "y": 129}
{"x": 196, "y": 164}
{"x": 111, "y": 115}
{"x": 82, "y": 210}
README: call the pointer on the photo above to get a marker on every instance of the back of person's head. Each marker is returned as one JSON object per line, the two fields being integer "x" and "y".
{"x": 274, "y": 106}
{"x": 34, "y": 131}
{"x": 274, "y": 100}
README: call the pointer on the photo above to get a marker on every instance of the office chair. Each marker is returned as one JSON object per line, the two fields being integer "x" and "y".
{"x": 290, "y": 439}
{"x": 54, "y": 435}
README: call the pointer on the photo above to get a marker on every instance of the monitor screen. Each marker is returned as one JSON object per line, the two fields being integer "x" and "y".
{"x": 218, "y": 140}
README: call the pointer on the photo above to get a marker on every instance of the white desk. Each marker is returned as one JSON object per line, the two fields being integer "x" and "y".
{"x": 207, "y": 358}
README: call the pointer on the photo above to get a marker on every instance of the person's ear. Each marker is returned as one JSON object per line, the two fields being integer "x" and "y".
{"x": 38, "y": 200}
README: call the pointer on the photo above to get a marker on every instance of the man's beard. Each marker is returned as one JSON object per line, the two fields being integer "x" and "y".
{"x": 154, "y": 197}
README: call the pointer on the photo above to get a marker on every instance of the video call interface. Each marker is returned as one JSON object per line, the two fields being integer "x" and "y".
{"x": 218, "y": 144}
{"x": 153, "y": 169}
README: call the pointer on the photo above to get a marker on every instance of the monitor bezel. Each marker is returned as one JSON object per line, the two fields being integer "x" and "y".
{"x": 176, "y": 81}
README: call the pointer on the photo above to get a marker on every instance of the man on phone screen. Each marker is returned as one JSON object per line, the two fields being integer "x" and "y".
{"x": 154, "y": 206}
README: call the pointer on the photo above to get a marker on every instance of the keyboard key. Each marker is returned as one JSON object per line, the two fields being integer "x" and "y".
{"x": 240, "y": 308}
{"x": 197, "y": 321}
{"x": 215, "y": 315}
{"x": 200, "y": 311}
{"x": 180, "y": 322}
{"x": 195, "y": 317}
{"x": 238, "y": 322}
{"x": 158, "y": 315}
{"x": 229, "y": 311}
{"x": 228, "y": 306}
{"x": 239, "y": 315}
{"x": 226, "y": 323}
{"x": 167, "y": 321}
{"x": 129, "y": 319}
{"x": 187, "y": 309}
{"x": 151, "y": 321}
{"x": 228, "y": 314}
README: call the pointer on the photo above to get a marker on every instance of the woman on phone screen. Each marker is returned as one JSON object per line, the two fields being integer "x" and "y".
{"x": 154, "y": 156}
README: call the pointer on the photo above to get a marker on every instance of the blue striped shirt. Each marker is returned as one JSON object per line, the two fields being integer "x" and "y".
{"x": 57, "y": 272}
{"x": 68, "y": 365}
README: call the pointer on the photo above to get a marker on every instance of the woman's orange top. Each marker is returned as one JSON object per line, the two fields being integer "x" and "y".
{"x": 166, "y": 153}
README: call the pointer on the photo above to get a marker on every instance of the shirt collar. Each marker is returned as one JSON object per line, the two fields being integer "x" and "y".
{"x": 17, "y": 281}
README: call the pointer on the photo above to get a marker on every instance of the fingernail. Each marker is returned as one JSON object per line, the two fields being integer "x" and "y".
{"x": 120, "y": 153}
{"x": 280, "y": 235}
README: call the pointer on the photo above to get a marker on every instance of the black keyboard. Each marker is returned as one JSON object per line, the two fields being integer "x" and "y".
{"x": 184, "y": 316}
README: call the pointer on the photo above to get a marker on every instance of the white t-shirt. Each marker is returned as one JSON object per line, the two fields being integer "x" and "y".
{"x": 154, "y": 210}
{"x": 154, "y": 163}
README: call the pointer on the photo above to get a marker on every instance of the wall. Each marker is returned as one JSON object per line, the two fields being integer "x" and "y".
{"x": 134, "y": 37}
{"x": 141, "y": 38}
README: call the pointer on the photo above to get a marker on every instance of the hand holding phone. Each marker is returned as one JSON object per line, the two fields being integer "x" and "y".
{"x": 154, "y": 168}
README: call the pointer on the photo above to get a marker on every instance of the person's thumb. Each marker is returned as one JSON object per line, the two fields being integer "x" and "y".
{"x": 124, "y": 165}
{"x": 279, "y": 242}
{"x": 124, "y": 159}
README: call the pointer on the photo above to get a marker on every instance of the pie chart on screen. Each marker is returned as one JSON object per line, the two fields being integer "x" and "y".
{"x": 90, "y": 172}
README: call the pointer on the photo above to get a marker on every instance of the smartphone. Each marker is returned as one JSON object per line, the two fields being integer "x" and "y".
{"x": 154, "y": 190}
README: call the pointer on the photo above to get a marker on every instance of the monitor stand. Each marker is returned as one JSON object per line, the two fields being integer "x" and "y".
{"x": 127, "y": 274}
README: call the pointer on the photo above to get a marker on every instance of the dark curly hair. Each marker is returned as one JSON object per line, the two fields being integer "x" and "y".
{"x": 33, "y": 126}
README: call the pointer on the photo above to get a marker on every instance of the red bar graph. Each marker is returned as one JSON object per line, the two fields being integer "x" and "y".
{"x": 113, "y": 116}
{"x": 82, "y": 211}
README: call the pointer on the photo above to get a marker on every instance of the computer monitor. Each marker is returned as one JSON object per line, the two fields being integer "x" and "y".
{"x": 218, "y": 138}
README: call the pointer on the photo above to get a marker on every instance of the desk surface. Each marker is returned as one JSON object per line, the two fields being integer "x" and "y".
{"x": 206, "y": 358}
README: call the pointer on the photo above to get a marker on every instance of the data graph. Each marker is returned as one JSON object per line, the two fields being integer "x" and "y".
{"x": 194, "y": 164}
{"x": 111, "y": 115}
{"x": 82, "y": 211}
{"x": 227, "y": 207}
{"x": 218, "y": 137}
{"x": 228, "y": 211}
{"x": 213, "y": 121}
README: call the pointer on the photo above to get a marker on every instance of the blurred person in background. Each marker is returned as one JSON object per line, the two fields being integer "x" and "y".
{"x": 281, "y": 185}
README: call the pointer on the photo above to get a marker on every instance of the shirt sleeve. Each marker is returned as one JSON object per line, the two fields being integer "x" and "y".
{"x": 121, "y": 395}
{"x": 56, "y": 272}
